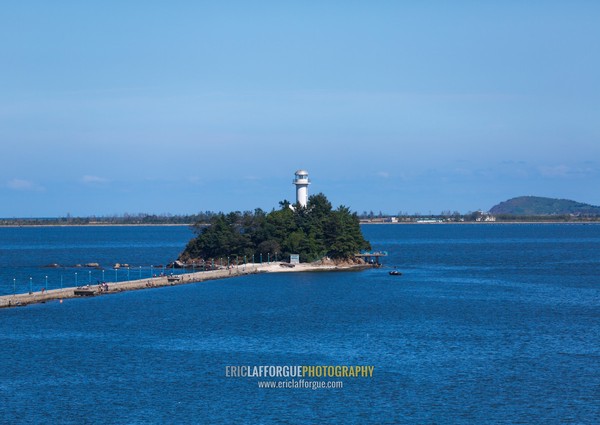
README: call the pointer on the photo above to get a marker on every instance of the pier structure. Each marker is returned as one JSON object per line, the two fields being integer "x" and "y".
{"x": 23, "y": 299}
{"x": 372, "y": 257}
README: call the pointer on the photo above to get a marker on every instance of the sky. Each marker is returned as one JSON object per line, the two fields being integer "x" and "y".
{"x": 178, "y": 107}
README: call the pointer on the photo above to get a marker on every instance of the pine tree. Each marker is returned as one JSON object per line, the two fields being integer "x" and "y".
{"x": 313, "y": 232}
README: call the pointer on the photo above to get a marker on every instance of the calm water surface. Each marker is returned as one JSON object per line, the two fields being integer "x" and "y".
{"x": 26, "y": 252}
{"x": 488, "y": 324}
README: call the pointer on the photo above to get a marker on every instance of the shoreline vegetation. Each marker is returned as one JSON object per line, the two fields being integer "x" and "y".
{"x": 204, "y": 220}
{"x": 21, "y": 300}
{"x": 420, "y": 220}
{"x": 385, "y": 220}
{"x": 522, "y": 209}
{"x": 308, "y": 232}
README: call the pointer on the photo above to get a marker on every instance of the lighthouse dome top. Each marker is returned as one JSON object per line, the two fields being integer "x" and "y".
{"x": 302, "y": 173}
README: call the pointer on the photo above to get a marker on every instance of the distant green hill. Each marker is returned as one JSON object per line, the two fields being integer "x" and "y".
{"x": 536, "y": 205}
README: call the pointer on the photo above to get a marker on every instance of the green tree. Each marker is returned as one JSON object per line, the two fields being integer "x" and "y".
{"x": 313, "y": 232}
{"x": 343, "y": 235}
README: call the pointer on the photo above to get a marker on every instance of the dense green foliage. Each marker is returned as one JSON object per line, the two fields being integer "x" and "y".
{"x": 540, "y": 206}
{"x": 313, "y": 232}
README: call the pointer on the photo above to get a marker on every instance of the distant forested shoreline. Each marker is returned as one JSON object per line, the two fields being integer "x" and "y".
{"x": 125, "y": 219}
{"x": 365, "y": 218}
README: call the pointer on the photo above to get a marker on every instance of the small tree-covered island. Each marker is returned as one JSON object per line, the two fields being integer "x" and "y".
{"x": 314, "y": 231}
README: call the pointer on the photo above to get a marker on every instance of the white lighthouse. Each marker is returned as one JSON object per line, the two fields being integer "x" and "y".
{"x": 301, "y": 181}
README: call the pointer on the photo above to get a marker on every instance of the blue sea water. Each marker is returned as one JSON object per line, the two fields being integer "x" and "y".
{"x": 25, "y": 253}
{"x": 488, "y": 324}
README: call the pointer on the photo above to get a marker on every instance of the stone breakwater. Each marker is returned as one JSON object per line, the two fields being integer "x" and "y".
{"x": 20, "y": 300}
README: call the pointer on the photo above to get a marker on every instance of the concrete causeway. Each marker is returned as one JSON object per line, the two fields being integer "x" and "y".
{"x": 20, "y": 300}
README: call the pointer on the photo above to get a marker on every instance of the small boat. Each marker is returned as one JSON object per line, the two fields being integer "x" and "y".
{"x": 395, "y": 273}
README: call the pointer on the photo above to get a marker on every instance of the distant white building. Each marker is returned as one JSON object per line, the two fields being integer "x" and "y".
{"x": 301, "y": 181}
{"x": 485, "y": 216}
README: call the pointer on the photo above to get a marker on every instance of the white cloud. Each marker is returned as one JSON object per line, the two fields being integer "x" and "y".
{"x": 25, "y": 185}
{"x": 554, "y": 171}
{"x": 562, "y": 170}
{"x": 383, "y": 174}
{"x": 252, "y": 178}
{"x": 463, "y": 171}
{"x": 94, "y": 180}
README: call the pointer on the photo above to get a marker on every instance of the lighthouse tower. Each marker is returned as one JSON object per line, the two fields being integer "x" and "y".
{"x": 301, "y": 181}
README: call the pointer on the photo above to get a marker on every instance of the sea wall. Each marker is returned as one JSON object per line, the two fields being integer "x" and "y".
{"x": 169, "y": 280}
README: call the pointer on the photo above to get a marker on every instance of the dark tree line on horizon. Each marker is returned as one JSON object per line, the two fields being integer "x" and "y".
{"x": 140, "y": 218}
{"x": 524, "y": 208}
{"x": 314, "y": 232}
